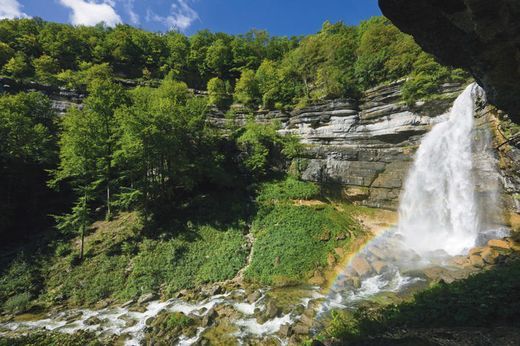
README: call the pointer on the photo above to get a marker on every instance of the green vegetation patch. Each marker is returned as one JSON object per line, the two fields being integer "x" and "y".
{"x": 293, "y": 240}
{"x": 55, "y": 339}
{"x": 121, "y": 264}
{"x": 205, "y": 255}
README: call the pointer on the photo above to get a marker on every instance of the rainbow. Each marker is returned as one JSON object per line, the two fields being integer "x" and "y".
{"x": 358, "y": 247}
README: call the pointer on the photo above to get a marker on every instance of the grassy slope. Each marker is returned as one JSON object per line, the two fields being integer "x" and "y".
{"x": 122, "y": 263}
{"x": 293, "y": 238}
{"x": 294, "y": 234}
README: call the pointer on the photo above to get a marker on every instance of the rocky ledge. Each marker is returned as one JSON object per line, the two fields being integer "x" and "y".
{"x": 366, "y": 148}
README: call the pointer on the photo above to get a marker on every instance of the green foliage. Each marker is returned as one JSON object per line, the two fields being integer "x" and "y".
{"x": 27, "y": 147}
{"x": 81, "y": 338}
{"x": 17, "y": 66}
{"x": 178, "y": 319}
{"x": 289, "y": 243}
{"x": 6, "y": 53}
{"x": 342, "y": 325}
{"x": 18, "y": 303}
{"x": 287, "y": 189}
{"x": 27, "y": 128}
{"x": 246, "y": 90}
{"x": 218, "y": 93}
{"x": 427, "y": 76}
{"x": 207, "y": 255}
{"x": 18, "y": 284}
{"x": 45, "y": 68}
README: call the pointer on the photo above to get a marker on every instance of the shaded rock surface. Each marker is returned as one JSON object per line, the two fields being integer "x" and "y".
{"x": 480, "y": 36}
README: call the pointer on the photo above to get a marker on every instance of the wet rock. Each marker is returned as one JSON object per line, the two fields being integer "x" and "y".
{"x": 459, "y": 261}
{"x": 475, "y": 251}
{"x": 129, "y": 321}
{"x": 137, "y": 308}
{"x": 301, "y": 329}
{"x": 128, "y": 303}
{"x": 499, "y": 244}
{"x": 102, "y": 304}
{"x": 208, "y": 318}
{"x": 285, "y": 331}
{"x": 271, "y": 310}
{"x": 70, "y": 316}
{"x": 476, "y": 261}
{"x": 146, "y": 298}
{"x": 307, "y": 320}
{"x": 253, "y": 297}
{"x": 379, "y": 266}
{"x": 489, "y": 255}
{"x": 91, "y": 321}
{"x": 361, "y": 266}
{"x": 377, "y": 252}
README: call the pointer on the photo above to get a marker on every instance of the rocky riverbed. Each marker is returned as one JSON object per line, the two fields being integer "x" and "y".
{"x": 235, "y": 313}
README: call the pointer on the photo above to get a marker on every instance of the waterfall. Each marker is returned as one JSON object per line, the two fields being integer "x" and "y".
{"x": 439, "y": 209}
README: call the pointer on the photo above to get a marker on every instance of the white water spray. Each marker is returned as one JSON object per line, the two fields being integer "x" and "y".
{"x": 439, "y": 209}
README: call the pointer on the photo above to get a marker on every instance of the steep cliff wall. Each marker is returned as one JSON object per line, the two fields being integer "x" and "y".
{"x": 481, "y": 36}
{"x": 366, "y": 149}
{"x": 363, "y": 149}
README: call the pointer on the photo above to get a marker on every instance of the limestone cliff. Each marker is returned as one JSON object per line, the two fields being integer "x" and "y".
{"x": 481, "y": 36}
{"x": 363, "y": 149}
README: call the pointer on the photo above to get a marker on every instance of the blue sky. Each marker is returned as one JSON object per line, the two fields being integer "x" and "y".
{"x": 279, "y": 17}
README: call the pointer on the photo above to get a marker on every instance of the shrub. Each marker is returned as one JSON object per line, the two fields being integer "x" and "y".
{"x": 18, "y": 303}
{"x": 287, "y": 189}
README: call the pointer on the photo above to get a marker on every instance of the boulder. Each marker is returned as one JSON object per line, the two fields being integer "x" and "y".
{"x": 253, "y": 297}
{"x": 317, "y": 279}
{"x": 301, "y": 329}
{"x": 475, "y": 251}
{"x": 91, "y": 321}
{"x": 271, "y": 310}
{"x": 379, "y": 266}
{"x": 500, "y": 244}
{"x": 489, "y": 255}
{"x": 476, "y": 261}
{"x": 376, "y": 252}
{"x": 285, "y": 331}
{"x": 361, "y": 266}
{"x": 208, "y": 318}
{"x": 339, "y": 251}
{"x": 146, "y": 298}
{"x": 127, "y": 304}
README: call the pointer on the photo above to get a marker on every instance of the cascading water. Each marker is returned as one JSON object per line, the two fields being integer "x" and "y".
{"x": 439, "y": 209}
{"x": 440, "y": 214}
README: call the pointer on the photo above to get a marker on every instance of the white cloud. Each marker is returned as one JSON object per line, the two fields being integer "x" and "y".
{"x": 88, "y": 12}
{"x": 181, "y": 16}
{"x": 129, "y": 8}
{"x": 11, "y": 9}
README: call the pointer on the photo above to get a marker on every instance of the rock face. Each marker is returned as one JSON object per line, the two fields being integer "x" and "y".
{"x": 480, "y": 36}
{"x": 365, "y": 148}
{"x": 361, "y": 149}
